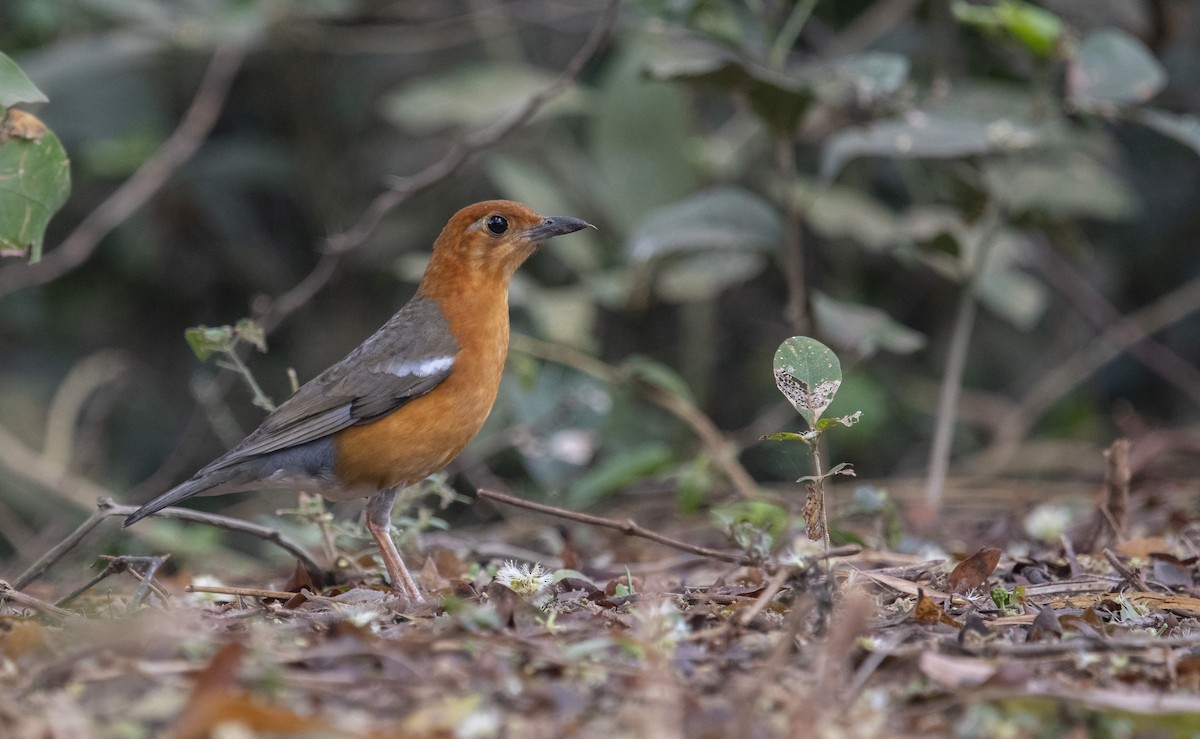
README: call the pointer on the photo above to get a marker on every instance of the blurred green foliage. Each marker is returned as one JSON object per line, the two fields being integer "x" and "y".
{"x": 1070, "y": 120}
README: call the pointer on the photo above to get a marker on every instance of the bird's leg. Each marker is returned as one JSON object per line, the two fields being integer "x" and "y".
{"x": 379, "y": 523}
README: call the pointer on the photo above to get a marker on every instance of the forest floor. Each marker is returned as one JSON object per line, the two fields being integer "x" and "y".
{"x": 989, "y": 624}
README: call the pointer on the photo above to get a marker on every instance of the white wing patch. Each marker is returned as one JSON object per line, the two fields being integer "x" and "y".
{"x": 424, "y": 367}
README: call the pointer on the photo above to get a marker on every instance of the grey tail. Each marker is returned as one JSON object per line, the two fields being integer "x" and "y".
{"x": 177, "y": 494}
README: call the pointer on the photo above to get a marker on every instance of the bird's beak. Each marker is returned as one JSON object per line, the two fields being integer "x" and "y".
{"x": 555, "y": 226}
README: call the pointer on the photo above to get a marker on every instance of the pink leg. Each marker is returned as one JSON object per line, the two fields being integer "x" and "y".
{"x": 379, "y": 523}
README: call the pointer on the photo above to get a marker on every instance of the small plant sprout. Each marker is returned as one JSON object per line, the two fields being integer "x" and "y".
{"x": 206, "y": 341}
{"x": 531, "y": 582}
{"x": 809, "y": 374}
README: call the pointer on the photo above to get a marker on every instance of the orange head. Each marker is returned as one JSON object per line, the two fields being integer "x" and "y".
{"x": 491, "y": 239}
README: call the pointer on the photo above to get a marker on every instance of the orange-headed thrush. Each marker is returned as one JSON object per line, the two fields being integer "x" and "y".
{"x": 405, "y": 402}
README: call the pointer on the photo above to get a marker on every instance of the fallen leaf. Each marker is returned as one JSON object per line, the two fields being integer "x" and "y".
{"x": 973, "y": 572}
{"x": 956, "y": 672}
{"x": 928, "y": 612}
{"x": 1143, "y": 547}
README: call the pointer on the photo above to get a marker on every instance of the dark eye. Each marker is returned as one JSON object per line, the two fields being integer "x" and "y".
{"x": 497, "y": 224}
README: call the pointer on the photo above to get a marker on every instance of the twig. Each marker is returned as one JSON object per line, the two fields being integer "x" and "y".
{"x": 229, "y": 524}
{"x": 9, "y": 593}
{"x": 628, "y": 527}
{"x": 716, "y": 444}
{"x": 773, "y": 587}
{"x": 193, "y": 129}
{"x": 956, "y": 362}
{"x": 84, "y": 378}
{"x": 1135, "y": 327}
{"x": 1094, "y": 308}
{"x": 106, "y": 508}
{"x": 243, "y": 592}
{"x": 1129, "y": 575}
{"x": 1116, "y": 486}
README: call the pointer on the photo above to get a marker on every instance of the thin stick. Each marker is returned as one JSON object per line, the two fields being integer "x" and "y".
{"x": 1116, "y": 484}
{"x": 106, "y": 508}
{"x": 8, "y": 593}
{"x": 231, "y": 524}
{"x": 242, "y": 592}
{"x": 630, "y": 528}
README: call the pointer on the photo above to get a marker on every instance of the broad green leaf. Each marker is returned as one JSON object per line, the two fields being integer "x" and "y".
{"x": 717, "y": 218}
{"x": 808, "y": 374}
{"x": 862, "y": 82}
{"x": 837, "y": 212}
{"x": 862, "y": 328}
{"x": 1037, "y": 29}
{"x": 921, "y": 136}
{"x": 15, "y": 87}
{"x": 640, "y": 137}
{"x": 472, "y": 97}
{"x": 692, "y": 277}
{"x": 35, "y": 179}
{"x": 1061, "y": 183}
{"x": 1113, "y": 68}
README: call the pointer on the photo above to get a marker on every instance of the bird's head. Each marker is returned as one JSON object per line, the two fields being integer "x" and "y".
{"x": 495, "y": 237}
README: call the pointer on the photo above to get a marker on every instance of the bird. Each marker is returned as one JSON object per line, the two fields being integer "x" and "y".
{"x": 404, "y": 403}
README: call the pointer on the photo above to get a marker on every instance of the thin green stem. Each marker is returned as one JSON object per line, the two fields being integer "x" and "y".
{"x": 260, "y": 398}
{"x": 790, "y": 32}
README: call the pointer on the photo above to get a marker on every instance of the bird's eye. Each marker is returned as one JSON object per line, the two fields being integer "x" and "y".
{"x": 497, "y": 224}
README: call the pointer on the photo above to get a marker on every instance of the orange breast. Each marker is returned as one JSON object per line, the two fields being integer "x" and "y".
{"x": 426, "y": 434}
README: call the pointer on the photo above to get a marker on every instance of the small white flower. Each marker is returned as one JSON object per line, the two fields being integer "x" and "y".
{"x": 531, "y": 582}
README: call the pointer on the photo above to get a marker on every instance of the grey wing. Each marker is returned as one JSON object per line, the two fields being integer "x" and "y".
{"x": 408, "y": 357}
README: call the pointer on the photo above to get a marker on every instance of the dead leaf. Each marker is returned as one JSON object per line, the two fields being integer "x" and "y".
{"x": 21, "y": 125}
{"x": 928, "y": 612}
{"x": 1171, "y": 574}
{"x": 973, "y": 572}
{"x": 216, "y": 700}
{"x": 1044, "y": 624}
{"x": 907, "y": 587}
{"x": 956, "y": 672}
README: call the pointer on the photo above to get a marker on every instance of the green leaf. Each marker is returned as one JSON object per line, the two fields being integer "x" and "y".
{"x": 862, "y": 328}
{"x": 847, "y": 421}
{"x": 845, "y": 468}
{"x": 808, "y": 374}
{"x": 35, "y": 179}
{"x": 786, "y": 436}
{"x": 1037, "y": 29}
{"x": 15, "y": 87}
{"x": 249, "y": 331}
{"x": 728, "y": 218}
{"x": 640, "y": 137}
{"x": 862, "y": 82}
{"x": 619, "y": 472}
{"x": 206, "y": 341}
{"x": 922, "y": 136}
{"x": 1061, "y": 183}
{"x": 641, "y": 368}
{"x": 469, "y": 98}
{"x": 756, "y": 527}
{"x": 1112, "y": 68}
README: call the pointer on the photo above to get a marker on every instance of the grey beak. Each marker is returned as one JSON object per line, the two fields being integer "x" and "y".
{"x": 556, "y": 226}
